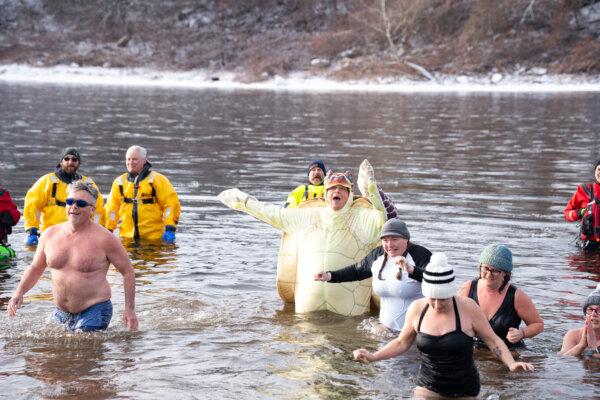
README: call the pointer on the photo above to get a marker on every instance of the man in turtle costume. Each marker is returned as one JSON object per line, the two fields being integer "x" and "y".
{"x": 328, "y": 238}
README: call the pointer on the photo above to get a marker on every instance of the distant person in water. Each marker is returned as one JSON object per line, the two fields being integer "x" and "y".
{"x": 314, "y": 189}
{"x": 45, "y": 200}
{"x": 78, "y": 253}
{"x": 142, "y": 203}
{"x": 587, "y": 338}
{"x": 444, "y": 325}
{"x": 9, "y": 216}
{"x": 584, "y": 206}
{"x": 396, "y": 268}
{"x": 504, "y": 304}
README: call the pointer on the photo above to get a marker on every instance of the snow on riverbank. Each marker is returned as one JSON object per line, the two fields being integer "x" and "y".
{"x": 536, "y": 81}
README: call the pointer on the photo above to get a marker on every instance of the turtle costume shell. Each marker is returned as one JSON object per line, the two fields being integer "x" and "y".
{"x": 323, "y": 240}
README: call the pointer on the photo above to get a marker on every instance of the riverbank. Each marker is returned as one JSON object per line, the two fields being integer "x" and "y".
{"x": 519, "y": 82}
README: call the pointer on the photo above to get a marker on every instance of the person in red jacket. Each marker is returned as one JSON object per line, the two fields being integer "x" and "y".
{"x": 585, "y": 206}
{"x": 9, "y": 216}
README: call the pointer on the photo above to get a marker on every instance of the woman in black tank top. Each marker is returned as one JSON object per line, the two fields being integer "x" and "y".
{"x": 443, "y": 327}
{"x": 504, "y": 304}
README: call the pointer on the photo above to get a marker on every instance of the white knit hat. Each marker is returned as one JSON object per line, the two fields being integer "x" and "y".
{"x": 438, "y": 278}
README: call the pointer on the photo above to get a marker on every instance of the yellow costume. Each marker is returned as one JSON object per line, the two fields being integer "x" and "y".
{"x": 143, "y": 213}
{"x": 45, "y": 202}
{"x": 326, "y": 240}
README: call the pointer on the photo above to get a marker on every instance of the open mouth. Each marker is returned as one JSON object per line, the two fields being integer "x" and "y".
{"x": 336, "y": 197}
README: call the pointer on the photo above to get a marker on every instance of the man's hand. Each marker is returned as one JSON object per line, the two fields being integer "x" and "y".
{"x": 169, "y": 235}
{"x": 233, "y": 198}
{"x": 362, "y": 355}
{"x": 130, "y": 319}
{"x": 13, "y": 304}
{"x": 32, "y": 238}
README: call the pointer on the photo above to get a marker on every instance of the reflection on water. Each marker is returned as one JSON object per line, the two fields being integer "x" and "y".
{"x": 464, "y": 170}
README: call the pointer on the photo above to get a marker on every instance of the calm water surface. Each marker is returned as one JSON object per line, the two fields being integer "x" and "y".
{"x": 464, "y": 170}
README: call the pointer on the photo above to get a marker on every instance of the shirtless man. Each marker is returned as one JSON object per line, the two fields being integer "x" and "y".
{"x": 78, "y": 253}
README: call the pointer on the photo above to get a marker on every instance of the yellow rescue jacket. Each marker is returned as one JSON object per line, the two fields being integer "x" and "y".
{"x": 303, "y": 193}
{"x": 142, "y": 213}
{"x": 45, "y": 203}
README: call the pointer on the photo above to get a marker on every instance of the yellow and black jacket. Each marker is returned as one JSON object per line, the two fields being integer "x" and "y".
{"x": 142, "y": 206}
{"x": 45, "y": 200}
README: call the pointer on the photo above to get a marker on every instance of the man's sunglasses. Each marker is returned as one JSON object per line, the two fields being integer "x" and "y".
{"x": 74, "y": 159}
{"x": 80, "y": 203}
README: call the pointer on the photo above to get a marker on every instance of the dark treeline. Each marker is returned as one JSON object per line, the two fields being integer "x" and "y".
{"x": 342, "y": 39}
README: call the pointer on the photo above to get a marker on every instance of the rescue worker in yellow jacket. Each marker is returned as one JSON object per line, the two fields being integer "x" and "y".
{"x": 315, "y": 188}
{"x": 142, "y": 203}
{"x": 45, "y": 200}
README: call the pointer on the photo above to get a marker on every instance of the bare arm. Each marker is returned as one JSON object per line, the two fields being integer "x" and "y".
{"x": 397, "y": 346}
{"x": 482, "y": 328}
{"x": 529, "y": 314}
{"x": 118, "y": 257}
{"x": 575, "y": 342}
{"x": 30, "y": 277}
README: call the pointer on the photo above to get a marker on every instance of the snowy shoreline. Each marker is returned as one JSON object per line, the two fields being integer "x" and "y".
{"x": 141, "y": 77}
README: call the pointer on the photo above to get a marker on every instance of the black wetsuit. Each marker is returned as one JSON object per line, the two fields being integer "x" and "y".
{"x": 506, "y": 316}
{"x": 447, "y": 365}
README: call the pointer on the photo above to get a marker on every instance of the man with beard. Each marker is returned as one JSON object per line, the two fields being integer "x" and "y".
{"x": 45, "y": 201}
{"x": 313, "y": 190}
{"x": 142, "y": 203}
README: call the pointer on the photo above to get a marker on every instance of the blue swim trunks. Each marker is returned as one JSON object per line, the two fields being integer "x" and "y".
{"x": 94, "y": 318}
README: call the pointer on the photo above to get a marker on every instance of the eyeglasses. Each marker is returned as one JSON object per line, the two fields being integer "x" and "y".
{"x": 74, "y": 159}
{"x": 80, "y": 203}
{"x": 592, "y": 310}
{"x": 492, "y": 271}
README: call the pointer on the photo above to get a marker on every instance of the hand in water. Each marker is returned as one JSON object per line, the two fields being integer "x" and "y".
{"x": 521, "y": 365}
{"x": 362, "y": 355}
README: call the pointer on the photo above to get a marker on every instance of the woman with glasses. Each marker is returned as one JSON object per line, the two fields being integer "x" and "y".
{"x": 504, "y": 304}
{"x": 397, "y": 270}
{"x": 578, "y": 340}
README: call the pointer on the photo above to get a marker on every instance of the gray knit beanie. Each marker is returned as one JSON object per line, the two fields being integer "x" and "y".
{"x": 395, "y": 227}
{"x": 70, "y": 151}
{"x": 593, "y": 299}
{"x": 498, "y": 256}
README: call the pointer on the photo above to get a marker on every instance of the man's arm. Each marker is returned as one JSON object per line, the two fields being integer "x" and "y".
{"x": 35, "y": 200}
{"x": 30, "y": 277}
{"x": 118, "y": 257}
{"x": 112, "y": 206}
{"x": 576, "y": 207}
{"x": 168, "y": 200}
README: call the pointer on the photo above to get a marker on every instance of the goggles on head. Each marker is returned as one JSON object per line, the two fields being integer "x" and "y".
{"x": 337, "y": 178}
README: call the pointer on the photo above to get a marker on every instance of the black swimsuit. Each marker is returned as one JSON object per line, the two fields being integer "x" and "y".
{"x": 447, "y": 365}
{"x": 506, "y": 316}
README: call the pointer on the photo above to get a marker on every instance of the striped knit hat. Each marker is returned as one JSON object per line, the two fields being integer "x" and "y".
{"x": 438, "y": 278}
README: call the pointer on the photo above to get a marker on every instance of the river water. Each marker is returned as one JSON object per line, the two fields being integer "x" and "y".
{"x": 463, "y": 169}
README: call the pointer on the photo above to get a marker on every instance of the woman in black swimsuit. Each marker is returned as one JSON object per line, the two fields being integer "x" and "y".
{"x": 444, "y": 326}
